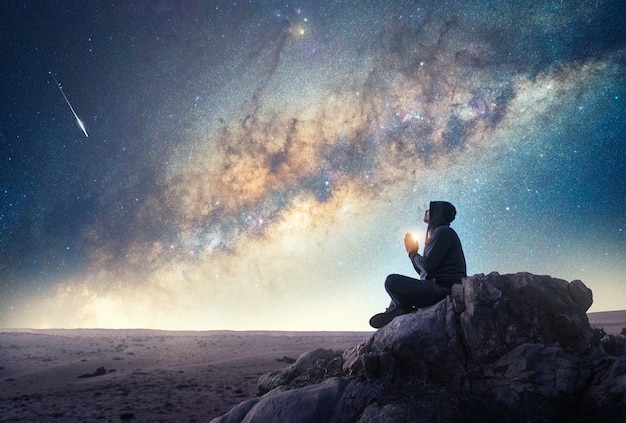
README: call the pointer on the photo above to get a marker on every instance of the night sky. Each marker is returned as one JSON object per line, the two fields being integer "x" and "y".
{"x": 255, "y": 164}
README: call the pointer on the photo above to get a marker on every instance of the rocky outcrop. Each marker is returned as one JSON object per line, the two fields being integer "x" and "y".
{"x": 513, "y": 347}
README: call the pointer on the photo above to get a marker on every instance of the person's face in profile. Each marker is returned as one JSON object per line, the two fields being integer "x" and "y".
{"x": 426, "y": 216}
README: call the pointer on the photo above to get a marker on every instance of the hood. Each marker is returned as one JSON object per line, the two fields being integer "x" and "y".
{"x": 441, "y": 213}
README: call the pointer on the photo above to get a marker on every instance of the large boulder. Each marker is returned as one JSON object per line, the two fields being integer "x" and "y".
{"x": 337, "y": 399}
{"x": 500, "y": 312}
{"x": 482, "y": 320}
{"x": 426, "y": 343}
{"x": 499, "y": 344}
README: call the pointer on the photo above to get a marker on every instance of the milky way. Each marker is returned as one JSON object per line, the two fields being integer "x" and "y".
{"x": 255, "y": 165}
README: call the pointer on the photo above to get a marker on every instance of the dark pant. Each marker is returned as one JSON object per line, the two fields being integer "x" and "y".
{"x": 410, "y": 293}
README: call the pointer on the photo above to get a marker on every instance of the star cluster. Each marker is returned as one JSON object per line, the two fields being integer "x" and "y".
{"x": 254, "y": 165}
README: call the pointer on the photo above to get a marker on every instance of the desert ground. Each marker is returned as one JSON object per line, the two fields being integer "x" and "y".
{"x": 142, "y": 375}
{"x": 146, "y": 375}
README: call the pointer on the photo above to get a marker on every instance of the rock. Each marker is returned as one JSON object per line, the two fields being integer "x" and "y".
{"x": 608, "y": 387}
{"x": 99, "y": 372}
{"x": 333, "y": 400}
{"x": 498, "y": 345}
{"x": 530, "y": 371}
{"x": 497, "y": 314}
{"x": 310, "y": 367}
{"x": 581, "y": 295}
{"x": 424, "y": 344}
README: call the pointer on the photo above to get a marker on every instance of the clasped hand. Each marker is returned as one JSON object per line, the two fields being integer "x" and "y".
{"x": 411, "y": 244}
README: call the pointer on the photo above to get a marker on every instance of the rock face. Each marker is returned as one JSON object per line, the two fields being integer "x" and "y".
{"x": 500, "y": 347}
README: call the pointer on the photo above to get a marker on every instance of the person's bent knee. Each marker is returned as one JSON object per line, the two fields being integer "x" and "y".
{"x": 390, "y": 281}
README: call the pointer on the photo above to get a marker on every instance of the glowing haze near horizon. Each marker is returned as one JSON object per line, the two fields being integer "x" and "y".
{"x": 254, "y": 165}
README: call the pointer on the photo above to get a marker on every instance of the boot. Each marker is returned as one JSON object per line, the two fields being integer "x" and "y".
{"x": 382, "y": 319}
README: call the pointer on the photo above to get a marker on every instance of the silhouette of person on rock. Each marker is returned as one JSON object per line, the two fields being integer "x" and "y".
{"x": 441, "y": 266}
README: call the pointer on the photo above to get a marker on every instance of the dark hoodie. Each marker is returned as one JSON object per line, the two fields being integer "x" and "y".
{"x": 443, "y": 257}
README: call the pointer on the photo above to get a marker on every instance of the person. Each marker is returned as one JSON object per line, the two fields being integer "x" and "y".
{"x": 441, "y": 266}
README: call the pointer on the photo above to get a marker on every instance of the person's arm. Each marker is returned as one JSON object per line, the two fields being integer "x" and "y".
{"x": 440, "y": 244}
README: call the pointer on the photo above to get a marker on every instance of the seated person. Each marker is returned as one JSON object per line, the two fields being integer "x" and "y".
{"x": 441, "y": 266}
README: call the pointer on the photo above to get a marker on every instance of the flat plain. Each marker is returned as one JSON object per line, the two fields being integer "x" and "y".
{"x": 74, "y": 375}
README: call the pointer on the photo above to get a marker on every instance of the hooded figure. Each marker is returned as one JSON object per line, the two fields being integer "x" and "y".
{"x": 441, "y": 266}
{"x": 443, "y": 258}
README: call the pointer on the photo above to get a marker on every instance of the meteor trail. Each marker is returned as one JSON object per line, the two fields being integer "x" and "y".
{"x": 80, "y": 122}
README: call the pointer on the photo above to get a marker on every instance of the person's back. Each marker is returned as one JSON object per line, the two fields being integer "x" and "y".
{"x": 443, "y": 258}
{"x": 452, "y": 266}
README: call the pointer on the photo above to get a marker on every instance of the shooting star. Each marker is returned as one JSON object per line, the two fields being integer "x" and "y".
{"x": 80, "y": 122}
